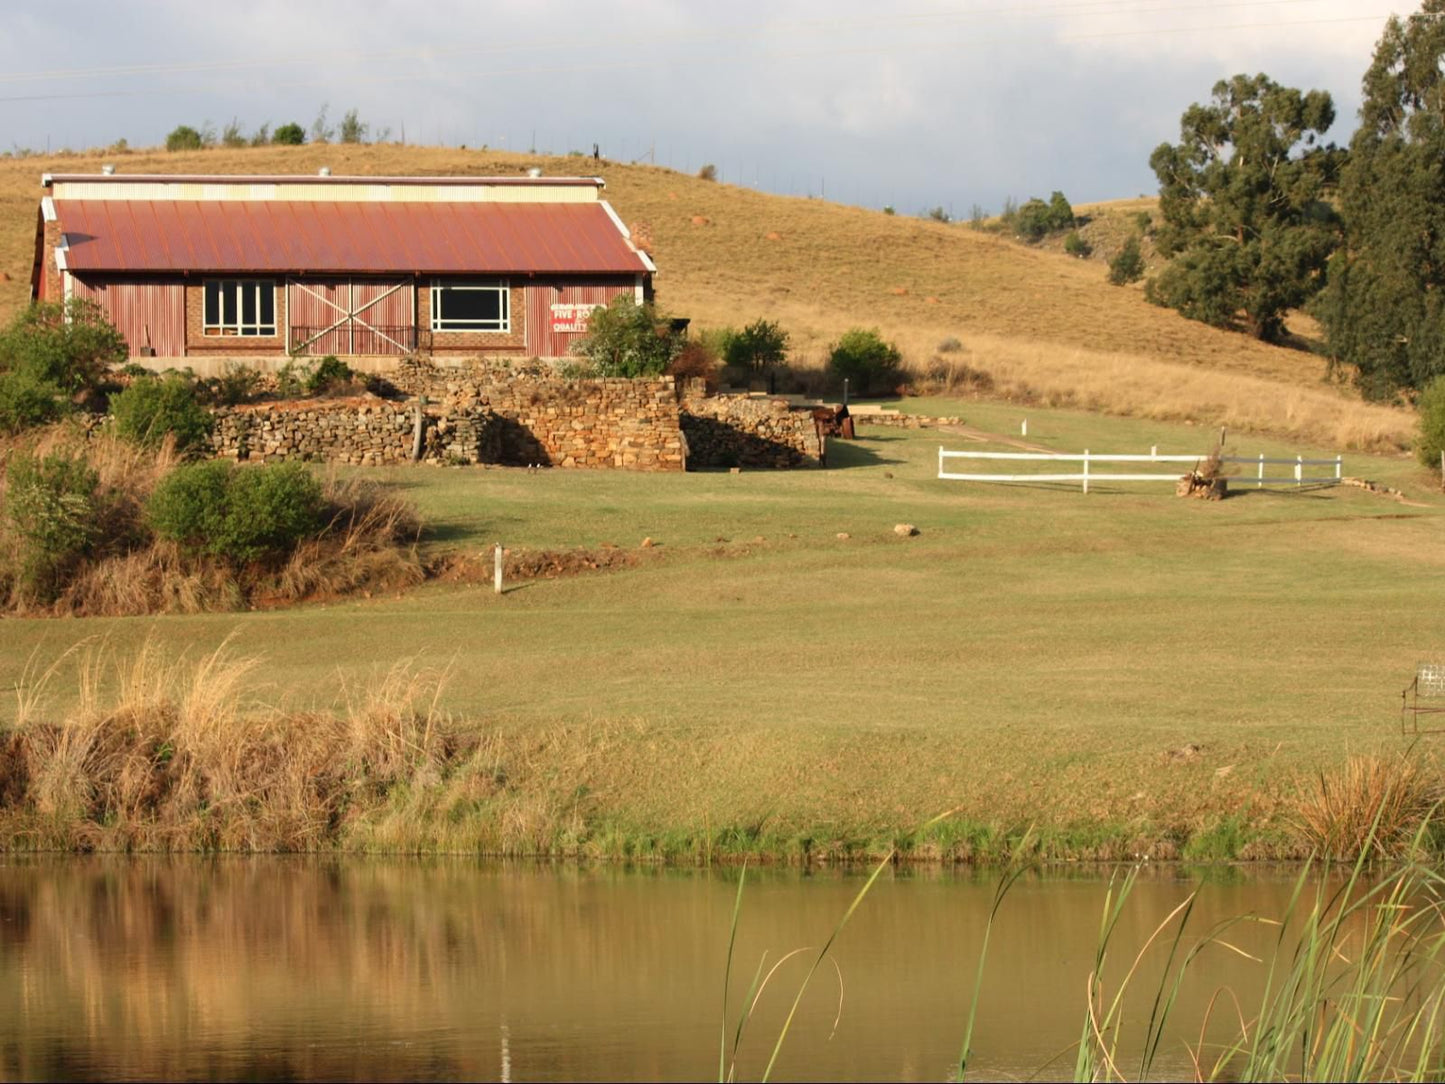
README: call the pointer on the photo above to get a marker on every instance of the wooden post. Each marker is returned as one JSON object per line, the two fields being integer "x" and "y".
{"x": 497, "y": 573}
{"x": 416, "y": 429}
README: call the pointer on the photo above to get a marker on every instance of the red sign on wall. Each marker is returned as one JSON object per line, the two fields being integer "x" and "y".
{"x": 572, "y": 317}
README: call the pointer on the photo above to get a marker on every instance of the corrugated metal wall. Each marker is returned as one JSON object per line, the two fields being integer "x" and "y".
{"x": 148, "y": 312}
{"x": 542, "y": 341}
{"x": 384, "y": 320}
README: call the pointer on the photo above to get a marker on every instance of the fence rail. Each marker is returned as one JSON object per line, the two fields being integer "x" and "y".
{"x": 1258, "y": 478}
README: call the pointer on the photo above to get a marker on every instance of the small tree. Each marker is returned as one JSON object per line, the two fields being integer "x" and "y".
{"x": 232, "y": 136}
{"x": 290, "y": 135}
{"x": 1061, "y": 212}
{"x": 707, "y": 173}
{"x": 352, "y": 128}
{"x": 1128, "y": 265}
{"x": 1432, "y": 423}
{"x": 184, "y": 138}
{"x": 938, "y": 214}
{"x": 627, "y": 339}
{"x": 151, "y": 408}
{"x": 321, "y": 132}
{"x": 759, "y": 348}
{"x": 866, "y": 361}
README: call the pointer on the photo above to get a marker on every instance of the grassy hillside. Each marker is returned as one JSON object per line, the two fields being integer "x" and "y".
{"x": 1045, "y": 326}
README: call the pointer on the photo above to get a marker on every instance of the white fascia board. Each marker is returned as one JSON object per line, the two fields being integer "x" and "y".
{"x": 60, "y": 251}
{"x": 626, "y": 233}
{"x": 615, "y": 220}
{"x": 47, "y": 209}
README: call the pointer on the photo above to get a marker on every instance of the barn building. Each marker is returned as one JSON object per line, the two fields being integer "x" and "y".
{"x": 202, "y": 270}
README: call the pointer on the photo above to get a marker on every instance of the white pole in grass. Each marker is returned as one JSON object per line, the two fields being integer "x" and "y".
{"x": 1299, "y": 470}
{"x": 1260, "y": 483}
{"x": 1340, "y": 466}
{"x": 497, "y": 569}
{"x": 1024, "y": 428}
{"x": 1086, "y": 470}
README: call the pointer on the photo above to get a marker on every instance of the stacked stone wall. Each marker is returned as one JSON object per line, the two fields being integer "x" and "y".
{"x": 744, "y": 431}
{"x": 361, "y": 432}
{"x": 548, "y": 420}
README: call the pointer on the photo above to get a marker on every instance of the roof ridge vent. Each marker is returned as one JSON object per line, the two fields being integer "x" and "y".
{"x": 324, "y": 171}
{"x": 108, "y": 170}
{"x": 534, "y": 172}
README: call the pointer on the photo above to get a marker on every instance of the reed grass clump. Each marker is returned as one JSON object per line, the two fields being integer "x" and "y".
{"x": 1369, "y": 805}
{"x": 164, "y": 754}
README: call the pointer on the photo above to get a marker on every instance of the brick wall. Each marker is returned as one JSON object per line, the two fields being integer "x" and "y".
{"x": 472, "y": 342}
{"x": 199, "y": 344}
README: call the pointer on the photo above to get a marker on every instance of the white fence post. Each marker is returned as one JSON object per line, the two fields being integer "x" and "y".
{"x": 497, "y": 569}
{"x": 1086, "y": 470}
{"x": 1299, "y": 470}
{"x": 1339, "y": 467}
{"x": 1260, "y": 484}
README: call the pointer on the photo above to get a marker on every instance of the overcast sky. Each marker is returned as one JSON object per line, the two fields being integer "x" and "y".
{"x": 914, "y": 104}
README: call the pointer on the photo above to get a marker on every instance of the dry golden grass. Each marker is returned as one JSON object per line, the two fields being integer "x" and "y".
{"x": 729, "y": 255}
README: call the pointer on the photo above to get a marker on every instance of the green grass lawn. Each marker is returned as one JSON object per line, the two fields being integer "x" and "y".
{"x": 1033, "y": 654}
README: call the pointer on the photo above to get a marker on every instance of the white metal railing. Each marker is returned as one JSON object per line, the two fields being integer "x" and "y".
{"x": 1258, "y": 479}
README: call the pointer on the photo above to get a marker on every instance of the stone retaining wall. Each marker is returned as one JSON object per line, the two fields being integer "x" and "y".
{"x": 545, "y": 419}
{"x": 743, "y": 431}
{"x": 358, "y": 431}
{"x": 903, "y": 421}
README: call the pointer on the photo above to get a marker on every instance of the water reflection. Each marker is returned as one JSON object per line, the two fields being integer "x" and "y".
{"x": 282, "y": 969}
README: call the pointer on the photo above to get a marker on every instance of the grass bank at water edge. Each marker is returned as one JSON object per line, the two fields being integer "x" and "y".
{"x": 153, "y": 752}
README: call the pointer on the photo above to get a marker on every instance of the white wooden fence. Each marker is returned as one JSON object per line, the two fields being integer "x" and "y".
{"x": 1256, "y": 477}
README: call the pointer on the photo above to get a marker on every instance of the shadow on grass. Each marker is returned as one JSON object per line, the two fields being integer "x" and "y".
{"x": 849, "y": 454}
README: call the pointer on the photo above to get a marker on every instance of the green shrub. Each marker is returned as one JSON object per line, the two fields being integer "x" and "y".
{"x": 938, "y": 214}
{"x": 707, "y": 173}
{"x": 1076, "y": 246}
{"x": 1033, "y": 220}
{"x": 239, "y": 515}
{"x": 1061, "y": 212}
{"x": 71, "y": 345}
{"x": 289, "y": 135}
{"x": 184, "y": 138}
{"x": 155, "y": 406}
{"x": 50, "y": 504}
{"x": 238, "y": 383}
{"x": 866, "y": 361}
{"x": 759, "y": 348}
{"x": 1431, "y": 405}
{"x": 330, "y": 374}
{"x": 1128, "y": 265}
{"x": 27, "y": 401}
{"x": 627, "y": 339}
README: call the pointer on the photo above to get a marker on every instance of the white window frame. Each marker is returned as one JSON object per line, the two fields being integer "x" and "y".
{"x": 491, "y": 327}
{"x": 238, "y": 328}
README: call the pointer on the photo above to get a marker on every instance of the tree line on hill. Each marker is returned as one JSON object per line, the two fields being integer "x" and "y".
{"x": 1260, "y": 216}
{"x": 350, "y": 129}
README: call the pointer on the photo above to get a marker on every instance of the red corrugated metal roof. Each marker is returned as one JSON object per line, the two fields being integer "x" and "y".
{"x": 49, "y": 179}
{"x": 323, "y": 236}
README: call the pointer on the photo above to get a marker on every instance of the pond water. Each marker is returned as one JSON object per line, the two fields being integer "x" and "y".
{"x": 276, "y": 968}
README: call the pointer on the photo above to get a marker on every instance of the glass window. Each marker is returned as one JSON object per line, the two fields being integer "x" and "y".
{"x": 240, "y": 307}
{"x": 470, "y": 306}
